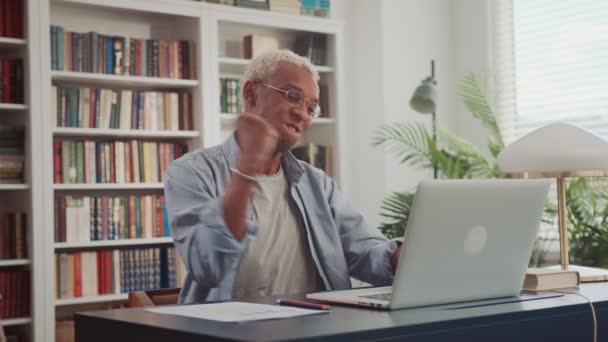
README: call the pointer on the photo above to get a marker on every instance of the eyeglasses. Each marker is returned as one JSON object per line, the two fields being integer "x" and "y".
{"x": 296, "y": 97}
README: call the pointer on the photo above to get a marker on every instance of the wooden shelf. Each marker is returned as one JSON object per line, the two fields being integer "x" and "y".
{"x": 231, "y": 65}
{"x": 123, "y": 133}
{"x": 14, "y": 186}
{"x": 113, "y": 243}
{"x": 14, "y": 262}
{"x": 97, "y": 299}
{"x": 114, "y": 80}
{"x": 109, "y": 186}
{"x": 12, "y": 106}
{"x": 7, "y": 322}
{"x": 6, "y": 41}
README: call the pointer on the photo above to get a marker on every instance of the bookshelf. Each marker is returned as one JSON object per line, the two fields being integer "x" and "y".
{"x": 23, "y": 196}
{"x": 16, "y": 321}
{"x": 113, "y": 243}
{"x": 89, "y": 300}
{"x": 7, "y": 42}
{"x": 14, "y": 262}
{"x": 216, "y": 31}
{"x": 124, "y": 133}
{"x": 114, "y": 80}
{"x": 12, "y": 107}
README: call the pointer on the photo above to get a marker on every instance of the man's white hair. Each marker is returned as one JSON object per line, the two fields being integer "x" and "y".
{"x": 262, "y": 67}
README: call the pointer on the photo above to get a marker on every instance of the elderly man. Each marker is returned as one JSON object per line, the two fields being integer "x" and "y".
{"x": 251, "y": 220}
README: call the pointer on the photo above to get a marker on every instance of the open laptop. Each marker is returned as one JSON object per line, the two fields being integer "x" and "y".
{"x": 465, "y": 240}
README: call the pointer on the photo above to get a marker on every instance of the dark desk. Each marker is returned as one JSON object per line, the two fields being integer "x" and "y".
{"x": 566, "y": 318}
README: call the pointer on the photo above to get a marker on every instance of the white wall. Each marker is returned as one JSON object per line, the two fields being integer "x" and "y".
{"x": 389, "y": 45}
{"x": 472, "y": 36}
{"x": 365, "y": 105}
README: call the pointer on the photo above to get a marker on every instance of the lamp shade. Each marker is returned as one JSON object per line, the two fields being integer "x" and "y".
{"x": 424, "y": 97}
{"x": 555, "y": 148}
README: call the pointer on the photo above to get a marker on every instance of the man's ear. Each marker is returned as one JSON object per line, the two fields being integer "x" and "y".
{"x": 249, "y": 94}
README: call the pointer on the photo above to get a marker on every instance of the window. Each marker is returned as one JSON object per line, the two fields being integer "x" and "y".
{"x": 551, "y": 64}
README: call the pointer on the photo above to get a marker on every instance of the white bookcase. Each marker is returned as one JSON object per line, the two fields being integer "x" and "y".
{"x": 217, "y": 32}
{"x": 27, "y": 196}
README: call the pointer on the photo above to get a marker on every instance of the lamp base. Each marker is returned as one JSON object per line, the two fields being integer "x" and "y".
{"x": 587, "y": 274}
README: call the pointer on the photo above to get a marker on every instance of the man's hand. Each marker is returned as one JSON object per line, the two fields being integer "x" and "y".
{"x": 395, "y": 259}
{"x": 257, "y": 141}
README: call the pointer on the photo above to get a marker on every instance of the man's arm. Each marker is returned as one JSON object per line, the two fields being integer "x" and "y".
{"x": 208, "y": 247}
{"x": 370, "y": 256}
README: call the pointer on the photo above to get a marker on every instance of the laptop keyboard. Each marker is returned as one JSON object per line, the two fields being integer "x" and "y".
{"x": 381, "y": 296}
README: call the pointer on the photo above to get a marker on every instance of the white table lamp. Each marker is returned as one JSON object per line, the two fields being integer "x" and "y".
{"x": 559, "y": 151}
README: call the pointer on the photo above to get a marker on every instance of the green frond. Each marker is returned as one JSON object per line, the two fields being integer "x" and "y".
{"x": 476, "y": 102}
{"x": 410, "y": 142}
{"x": 396, "y": 209}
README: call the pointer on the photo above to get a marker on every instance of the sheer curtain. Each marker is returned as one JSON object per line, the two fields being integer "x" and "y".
{"x": 550, "y": 64}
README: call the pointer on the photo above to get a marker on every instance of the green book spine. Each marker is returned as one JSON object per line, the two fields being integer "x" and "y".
{"x": 79, "y": 162}
{"x": 137, "y": 217}
{"x": 72, "y": 162}
{"x": 125, "y": 227}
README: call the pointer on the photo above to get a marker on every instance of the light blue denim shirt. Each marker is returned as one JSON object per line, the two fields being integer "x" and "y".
{"x": 342, "y": 243}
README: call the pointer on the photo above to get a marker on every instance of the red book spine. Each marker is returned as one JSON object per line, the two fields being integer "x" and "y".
{"x": 23, "y": 228}
{"x": 92, "y": 108}
{"x": 62, "y": 220}
{"x": 18, "y": 24}
{"x": 77, "y": 275}
{"x": 2, "y": 34}
{"x": 180, "y": 61}
{"x": 9, "y": 19}
{"x": 27, "y": 289}
{"x": 6, "y": 86}
{"x": 132, "y": 229}
{"x": 138, "y": 63}
{"x": 108, "y": 267}
{"x": 10, "y": 294}
{"x": 99, "y": 273}
{"x": 2, "y": 280}
{"x": 57, "y": 162}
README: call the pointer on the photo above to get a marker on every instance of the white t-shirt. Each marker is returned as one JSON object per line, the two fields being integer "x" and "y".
{"x": 278, "y": 261}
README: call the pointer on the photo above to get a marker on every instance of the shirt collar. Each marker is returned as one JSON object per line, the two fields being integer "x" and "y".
{"x": 292, "y": 168}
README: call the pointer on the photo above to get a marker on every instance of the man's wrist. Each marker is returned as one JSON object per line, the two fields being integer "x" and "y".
{"x": 243, "y": 175}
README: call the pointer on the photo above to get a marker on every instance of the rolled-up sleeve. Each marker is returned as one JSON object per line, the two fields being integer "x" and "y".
{"x": 366, "y": 250}
{"x": 202, "y": 238}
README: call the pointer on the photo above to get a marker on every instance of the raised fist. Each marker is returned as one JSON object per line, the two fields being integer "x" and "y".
{"x": 258, "y": 141}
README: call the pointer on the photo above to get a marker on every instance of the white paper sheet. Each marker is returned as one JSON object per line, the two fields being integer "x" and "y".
{"x": 235, "y": 311}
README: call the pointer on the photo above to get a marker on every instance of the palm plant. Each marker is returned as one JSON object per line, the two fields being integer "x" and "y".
{"x": 455, "y": 157}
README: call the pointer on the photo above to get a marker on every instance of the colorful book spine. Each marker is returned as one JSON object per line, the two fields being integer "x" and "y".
{"x": 98, "y": 53}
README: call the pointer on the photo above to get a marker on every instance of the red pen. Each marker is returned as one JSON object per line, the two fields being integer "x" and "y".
{"x": 303, "y": 304}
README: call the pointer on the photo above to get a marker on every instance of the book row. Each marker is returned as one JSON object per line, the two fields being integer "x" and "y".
{"x": 13, "y": 235}
{"x": 12, "y": 139}
{"x": 318, "y": 156}
{"x": 93, "y": 218}
{"x": 15, "y": 292}
{"x": 11, "y": 80}
{"x": 122, "y": 109}
{"x": 104, "y": 272}
{"x": 318, "y": 8}
{"x": 230, "y": 95}
{"x": 11, "y": 18}
{"x": 130, "y": 161}
{"x": 98, "y": 53}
